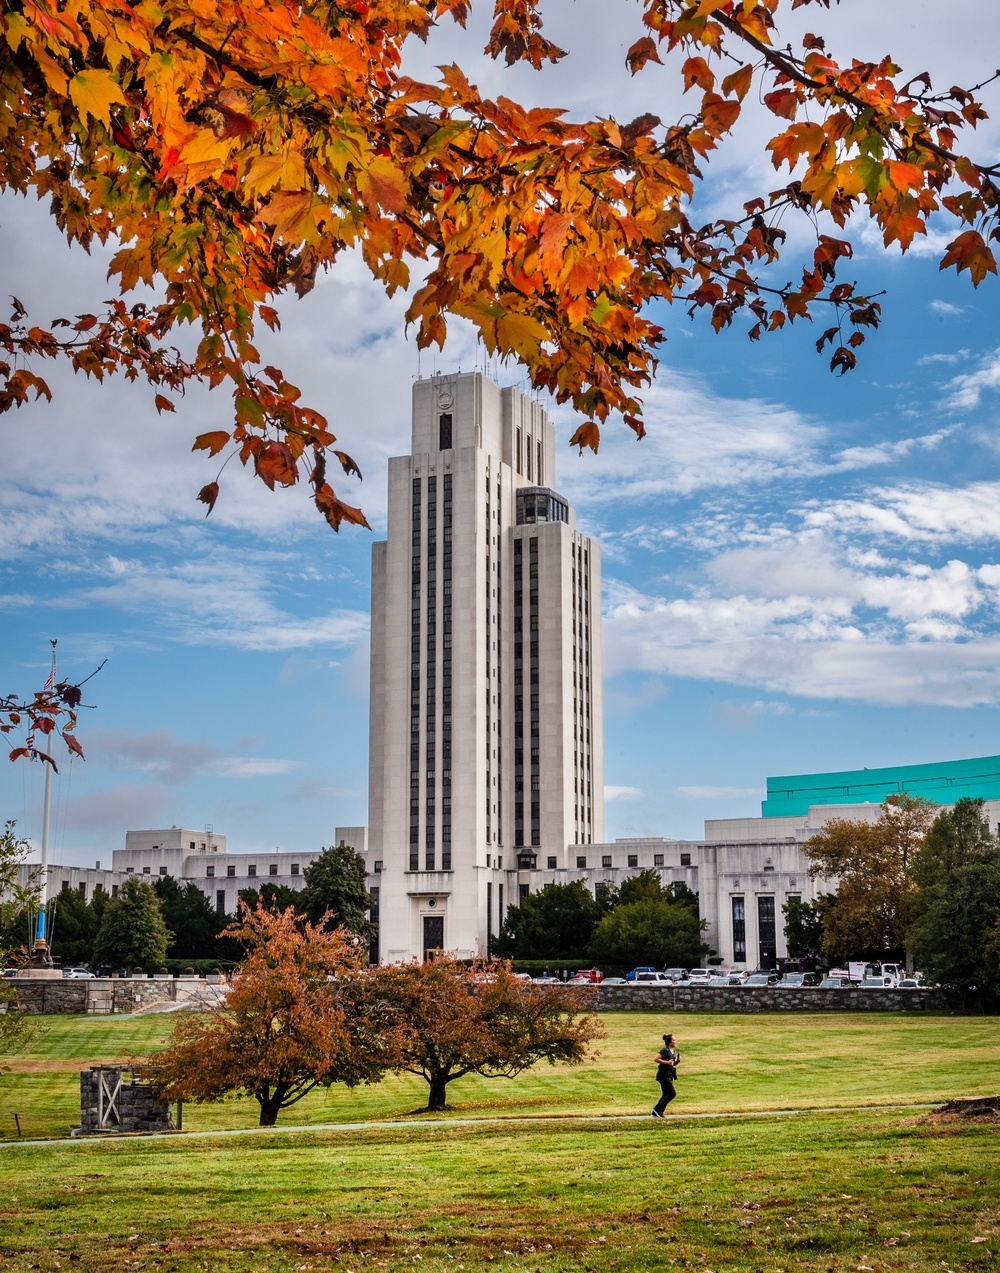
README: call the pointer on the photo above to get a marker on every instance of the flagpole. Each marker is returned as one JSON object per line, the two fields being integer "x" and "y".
{"x": 42, "y": 953}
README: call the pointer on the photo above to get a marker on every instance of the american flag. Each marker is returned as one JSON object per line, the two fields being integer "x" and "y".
{"x": 50, "y": 683}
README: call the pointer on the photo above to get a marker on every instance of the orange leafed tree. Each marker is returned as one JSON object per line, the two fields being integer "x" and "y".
{"x": 230, "y": 149}
{"x": 456, "y": 1018}
{"x": 299, "y": 1014}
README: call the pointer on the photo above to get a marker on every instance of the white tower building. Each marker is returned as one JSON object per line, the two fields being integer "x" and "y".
{"x": 486, "y": 729}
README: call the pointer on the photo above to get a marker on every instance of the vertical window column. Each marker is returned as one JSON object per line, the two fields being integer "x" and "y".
{"x": 446, "y": 676}
{"x": 414, "y": 846}
{"x": 430, "y": 793}
{"x": 518, "y": 693}
{"x": 739, "y": 930}
{"x": 533, "y": 690}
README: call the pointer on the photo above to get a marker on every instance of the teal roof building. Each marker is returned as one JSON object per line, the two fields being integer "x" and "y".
{"x": 943, "y": 783}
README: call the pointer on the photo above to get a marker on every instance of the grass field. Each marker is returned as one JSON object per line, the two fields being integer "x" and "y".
{"x": 863, "y": 1189}
{"x": 730, "y": 1063}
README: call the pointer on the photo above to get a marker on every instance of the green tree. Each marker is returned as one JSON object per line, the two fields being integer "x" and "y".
{"x": 804, "y": 926}
{"x": 654, "y": 931}
{"x": 555, "y": 923}
{"x": 870, "y": 861}
{"x": 75, "y": 925}
{"x": 132, "y": 933}
{"x": 191, "y": 917}
{"x": 335, "y": 886}
{"x": 276, "y": 897}
{"x": 17, "y": 900}
{"x": 954, "y": 937}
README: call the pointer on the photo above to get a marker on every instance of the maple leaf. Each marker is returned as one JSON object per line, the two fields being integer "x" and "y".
{"x": 163, "y": 404}
{"x": 969, "y": 252}
{"x": 208, "y": 495}
{"x": 73, "y": 745}
{"x": 588, "y": 434}
{"x": 274, "y": 462}
{"x": 211, "y": 442}
{"x": 384, "y": 186}
{"x": 94, "y": 92}
{"x": 640, "y": 53}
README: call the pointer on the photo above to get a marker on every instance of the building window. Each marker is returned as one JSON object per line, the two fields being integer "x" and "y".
{"x": 685, "y": 859}
{"x": 114, "y": 890}
{"x": 768, "y": 956}
{"x": 210, "y": 870}
{"x": 191, "y": 845}
{"x": 230, "y": 871}
{"x": 606, "y": 861}
{"x": 273, "y": 869}
{"x": 81, "y": 888}
{"x": 220, "y": 901}
{"x": 163, "y": 870}
{"x": 550, "y": 863}
{"x": 633, "y": 859}
{"x": 145, "y": 870}
{"x": 739, "y": 931}
{"x": 251, "y": 870}
{"x": 657, "y": 859}
{"x": 444, "y": 433}
{"x": 295, "y": 868}
{"x": 378, "y": 868}
{"x": 581, "y": 864}
{"x": 522, "y": 891}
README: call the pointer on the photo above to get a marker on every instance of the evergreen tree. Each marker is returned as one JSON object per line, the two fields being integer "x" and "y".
{"x": 555, "y": 923}
{"x": 74, "y": 927}
{"x": 191, "y": 917}
{"x": 335, "y": 883}
{"x": 274, "y": 897}
{"x": 956, "y": 935}
{"x": 132, "y": 933}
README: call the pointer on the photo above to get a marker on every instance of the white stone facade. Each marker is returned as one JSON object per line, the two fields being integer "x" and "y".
{"x": 486, "y": 728}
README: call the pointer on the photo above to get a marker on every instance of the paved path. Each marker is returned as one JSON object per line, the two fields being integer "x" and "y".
{"x": 535, "y": 1121}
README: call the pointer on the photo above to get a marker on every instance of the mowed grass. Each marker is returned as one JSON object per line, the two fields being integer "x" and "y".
{"x": 731, "y": 1062}
{"x": 869, "y": 1190}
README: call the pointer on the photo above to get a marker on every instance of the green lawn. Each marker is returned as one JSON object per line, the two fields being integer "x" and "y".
{"x": 864, "y": 1190}
{"x": 730, "y": 1063}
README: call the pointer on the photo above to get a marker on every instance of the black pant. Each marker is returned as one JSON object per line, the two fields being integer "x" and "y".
{"x": 668, "y": 1094}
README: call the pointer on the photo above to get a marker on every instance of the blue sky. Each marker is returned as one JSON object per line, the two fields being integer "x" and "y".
{"x": 802, "y": 572}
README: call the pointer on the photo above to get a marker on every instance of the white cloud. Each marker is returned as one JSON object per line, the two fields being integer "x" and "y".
{"x": 967, "y": 390}
{"x": 612, "y": 794}
{"x": 945, "y": 307}
{"x": 253, "y": 767}
{"x": 916, "y": 511}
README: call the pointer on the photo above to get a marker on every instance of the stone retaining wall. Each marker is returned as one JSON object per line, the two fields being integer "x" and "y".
{"x": 102, "y": 995}
{"x": 688, "y": 998}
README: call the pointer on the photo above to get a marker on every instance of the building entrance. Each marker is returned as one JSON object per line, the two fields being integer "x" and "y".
{"x": 433, "y": 935}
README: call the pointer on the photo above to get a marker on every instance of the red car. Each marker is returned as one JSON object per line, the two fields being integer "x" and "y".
{"x": 592, "y": 975}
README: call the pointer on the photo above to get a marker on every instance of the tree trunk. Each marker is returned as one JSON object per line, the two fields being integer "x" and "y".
{"x": 439, "y": 1091}
{"x": 270, "y": 1106}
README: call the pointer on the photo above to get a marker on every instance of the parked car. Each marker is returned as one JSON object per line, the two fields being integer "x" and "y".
{"x": 762, "y": 979}
{"x": 630, "y": 976}
{"x": 835, "y": 983}
{"x": 700, "y": 974}
{"x": 676, "y": 974}
{"x": 726, "y": 979}
{"x": 877, "y": 983}
{"x": 77, "y": 974}
{"x": 591, "y": 975}
{"x": 910, "y": 983}
{"x": 614, "y": 981}
{"x": 798, "y": 980}
{"x": 644, "y": 978}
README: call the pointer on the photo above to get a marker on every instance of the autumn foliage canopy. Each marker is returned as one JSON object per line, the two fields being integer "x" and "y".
{"x": 230, "y": 149}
